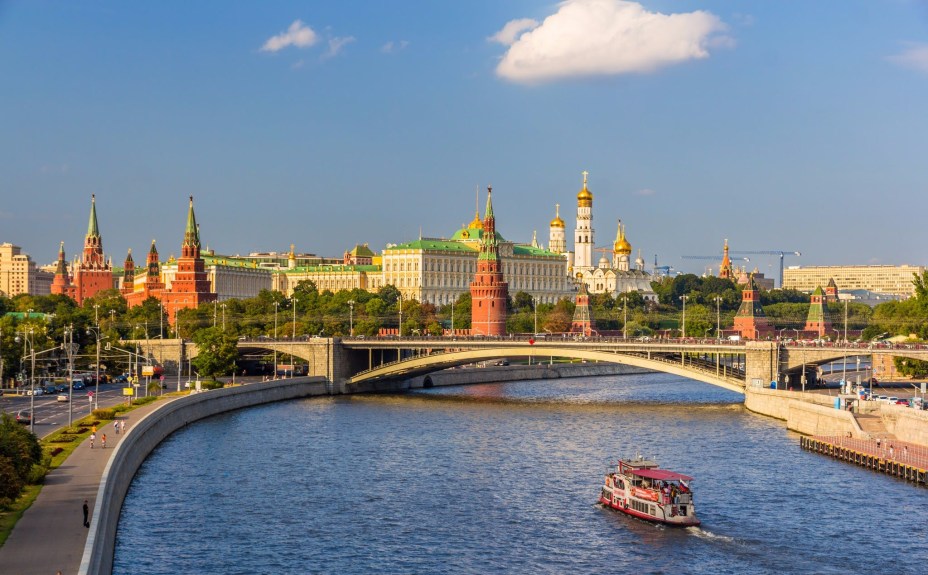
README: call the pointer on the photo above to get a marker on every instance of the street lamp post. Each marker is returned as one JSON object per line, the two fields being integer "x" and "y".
{"x": 223, "y": 306}
{"x": 452, "y": 316}
{"x": 718, "y": 317}
{"x": 28, "y": 338}
{"x": 69, "y": 342}
{"x": 293, "y": 340}
{"x": 96, "y": 392}
{"x": 625, "y": 316}
{"x": 399, "y": 331}
{"x": 276, "y": 307}
{"x": 351, "y": 318}
{"x": 161, "y": 320}
{"x": 683, "y": 329}
{"x": 535, "y": 309}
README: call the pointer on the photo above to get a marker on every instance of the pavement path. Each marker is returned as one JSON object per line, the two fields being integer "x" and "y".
{"x": 50, "y": 535}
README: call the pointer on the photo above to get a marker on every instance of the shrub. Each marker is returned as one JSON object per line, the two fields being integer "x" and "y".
{"x": 37, "y": 473}
{"x": 144, "y": 400}
{"x": 63, "y": 438}
{"x": 107, "y": 413}
{"x": 211, "y": 384}
{"x": 56, "y": 451}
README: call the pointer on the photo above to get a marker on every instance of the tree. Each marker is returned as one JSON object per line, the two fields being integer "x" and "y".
{"x": 217, "y": 352}
{"x": 19, "y": 451}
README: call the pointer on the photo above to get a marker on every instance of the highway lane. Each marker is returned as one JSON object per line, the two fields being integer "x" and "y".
{"x": 51, "y": 414}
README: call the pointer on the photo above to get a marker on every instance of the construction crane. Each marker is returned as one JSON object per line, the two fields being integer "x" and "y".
{"x": 779, "y": 253}
{"x": 662, "y": 270}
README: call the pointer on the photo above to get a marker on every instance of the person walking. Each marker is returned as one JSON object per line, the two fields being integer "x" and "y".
{"x": 116, "y": 426}
{"x": 103, "y": 441}
{"x": 86, "y": 513}
{"x": 93, "y": 436}
{"x": 122, "y": 426}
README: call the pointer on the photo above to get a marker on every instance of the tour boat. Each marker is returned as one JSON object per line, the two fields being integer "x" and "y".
{"x": 640, "y": 489}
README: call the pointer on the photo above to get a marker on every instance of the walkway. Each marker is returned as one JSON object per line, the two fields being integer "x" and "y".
{"x": 50, "y": 537}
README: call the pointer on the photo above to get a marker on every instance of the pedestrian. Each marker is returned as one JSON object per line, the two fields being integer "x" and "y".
{"x": 890, "y": 450}
{"x": 103, "y": 441}
{"x": 93, "y": 429}
{"x": 86, "y": 513}
{"x": 116, "y": 425}
{"x": 905, "y": 451}
{"x": 122, "y": 426}
{"x": 93, "y": 436}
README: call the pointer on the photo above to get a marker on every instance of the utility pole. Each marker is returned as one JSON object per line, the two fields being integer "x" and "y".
{"x": 718, "y": 317}
{"x": 625, "y": 316}
{"x": 683, "y": 329}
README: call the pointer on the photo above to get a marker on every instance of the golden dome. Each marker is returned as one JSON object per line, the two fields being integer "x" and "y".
{"x": 585, "y": 197}
{"x": 477, "y": 224}
{"x": 557, "y": 222}
{"x": 621, "y": 245}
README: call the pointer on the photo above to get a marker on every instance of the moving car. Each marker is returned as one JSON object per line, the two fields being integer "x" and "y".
{"x": 63, "y": 397}
{"x": 24, "y": 416}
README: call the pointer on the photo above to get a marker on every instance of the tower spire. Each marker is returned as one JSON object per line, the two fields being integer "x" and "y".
{"x": 192, "y": 233}
{"x": 92, "y": 229}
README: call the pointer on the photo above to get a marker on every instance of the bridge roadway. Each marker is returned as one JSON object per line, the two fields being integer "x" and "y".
{"x": 728, "y": 364}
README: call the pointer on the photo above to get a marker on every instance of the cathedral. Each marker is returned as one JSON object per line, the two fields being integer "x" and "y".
{"x": 614, "y": 277}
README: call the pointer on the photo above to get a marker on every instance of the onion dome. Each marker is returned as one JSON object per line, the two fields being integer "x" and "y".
{"x": 621, "y": 245}
{"x": 585, "y": 197}
{"x": 477, "y": 224}
{"x": 557, "y": 222}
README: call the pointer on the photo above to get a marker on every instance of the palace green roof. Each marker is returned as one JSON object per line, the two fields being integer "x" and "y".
{"x": 332, "y": 269}
{"x": 434, "y": 244}
{"x": 361, "y": 250}
{"x": 526, "y": 250}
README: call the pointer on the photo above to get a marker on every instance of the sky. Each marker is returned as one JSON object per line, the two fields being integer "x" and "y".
{"x": 793, "y": 126}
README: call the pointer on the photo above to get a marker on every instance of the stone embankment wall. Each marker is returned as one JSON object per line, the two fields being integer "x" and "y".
{"x": 495, "y": 374}
{"x": 807, "y": 413}
{"x": 905, "y": 423}
{"x": 145, "y": 435}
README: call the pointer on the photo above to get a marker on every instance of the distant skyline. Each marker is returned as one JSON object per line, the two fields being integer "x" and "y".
{"x": 779, "y": 126}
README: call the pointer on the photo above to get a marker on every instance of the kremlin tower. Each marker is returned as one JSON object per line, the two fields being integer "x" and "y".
{"x": 818, "y": 320}
{"x": 191, "y": 287}
{"x": 93, "y": 273}
{"x": 151, "y": 287}
{"x": 582, "y": 321}
{"x": 488, "y": 291}
{"x": 583, "y": 235}
{"x": 750, "y": 321}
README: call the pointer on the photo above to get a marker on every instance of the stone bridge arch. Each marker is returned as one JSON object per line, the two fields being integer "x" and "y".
{"x": 425, "y": 364}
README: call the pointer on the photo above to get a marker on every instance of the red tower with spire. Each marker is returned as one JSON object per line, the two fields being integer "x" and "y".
{"x": 93, "y": 273}
{"x": 751, "y": 321}
{"x": 488, "y": 291}
{"x": 725, "y": 270}
{"x": 153, "y": 286}
{"x": 191, "y": 285}
{"x": 61, "y": 284}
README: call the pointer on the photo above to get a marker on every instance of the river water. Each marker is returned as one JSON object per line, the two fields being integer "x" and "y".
{"x": 503, "y": 478}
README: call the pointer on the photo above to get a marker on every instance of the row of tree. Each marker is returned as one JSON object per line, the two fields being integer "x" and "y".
{"x": 710, "y": 303}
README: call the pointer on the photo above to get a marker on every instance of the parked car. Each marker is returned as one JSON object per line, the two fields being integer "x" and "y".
{"x": 24, "y": 416}
{"x": 35, "y": 391}
{"x": 50, "y": 390}
{"x": 78, "y": 384}
{"x": 63, "y": 397}
{"x": 61, "y": 388}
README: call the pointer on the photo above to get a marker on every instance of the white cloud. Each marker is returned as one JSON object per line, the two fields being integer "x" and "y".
{"x": 393, "y": 47}
{"x": 336, "y": 45}
{"x": 608, "y": 37}
{"x": 914, "y": 57}
{"x": 512, "y": 30}
{"x": 298, "y": 34}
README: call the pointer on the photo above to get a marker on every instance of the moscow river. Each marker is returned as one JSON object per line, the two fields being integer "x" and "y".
{"x": 503, "y": 478}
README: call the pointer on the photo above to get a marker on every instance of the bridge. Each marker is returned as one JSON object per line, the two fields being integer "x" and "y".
{"x": 354, "y": 362}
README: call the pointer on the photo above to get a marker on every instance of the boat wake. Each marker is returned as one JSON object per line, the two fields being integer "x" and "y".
{"x": 708, "y": 535}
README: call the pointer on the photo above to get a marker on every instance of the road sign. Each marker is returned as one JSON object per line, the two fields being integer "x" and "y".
{"x": 148, "y": 370}
{"x": 128, "y": 391}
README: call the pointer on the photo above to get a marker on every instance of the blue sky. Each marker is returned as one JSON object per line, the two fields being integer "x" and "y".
{"x": 777, "y": 125}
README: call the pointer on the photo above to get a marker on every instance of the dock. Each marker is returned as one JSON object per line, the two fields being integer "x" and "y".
{"x": 900, "y": 459}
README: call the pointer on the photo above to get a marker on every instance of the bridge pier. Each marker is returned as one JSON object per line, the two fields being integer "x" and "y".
{"x": 762, "y": 363}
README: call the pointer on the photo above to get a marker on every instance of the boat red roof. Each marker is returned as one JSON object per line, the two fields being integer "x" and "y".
{"x": 660, "y": 474}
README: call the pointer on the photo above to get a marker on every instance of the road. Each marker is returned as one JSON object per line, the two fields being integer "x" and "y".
{"x": 51, "y": 414}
